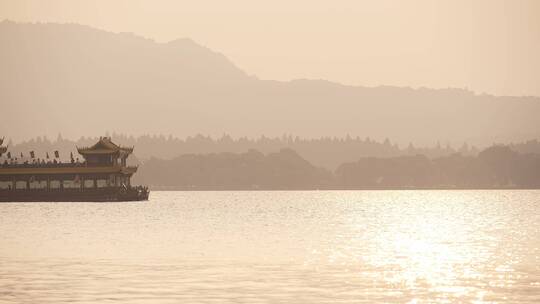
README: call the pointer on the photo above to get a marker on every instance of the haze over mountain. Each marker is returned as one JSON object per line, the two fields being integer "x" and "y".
{"x": 82, "y": 81}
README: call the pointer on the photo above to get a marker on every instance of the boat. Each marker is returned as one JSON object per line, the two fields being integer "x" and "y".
{"x": 103, "y": 176}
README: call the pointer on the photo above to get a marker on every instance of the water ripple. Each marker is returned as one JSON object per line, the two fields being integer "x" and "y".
{"x": 276, "y": 247}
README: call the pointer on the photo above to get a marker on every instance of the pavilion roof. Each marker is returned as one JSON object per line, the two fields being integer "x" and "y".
{"x": 2, "y": 149}
{"x": 104, "y": 146}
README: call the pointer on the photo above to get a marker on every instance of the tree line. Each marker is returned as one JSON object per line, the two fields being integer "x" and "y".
{"x": 493, "y": 168}
{"x": 326, "y": 152}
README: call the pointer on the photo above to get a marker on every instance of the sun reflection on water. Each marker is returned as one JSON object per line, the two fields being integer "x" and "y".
{"x": 431, "y": 248}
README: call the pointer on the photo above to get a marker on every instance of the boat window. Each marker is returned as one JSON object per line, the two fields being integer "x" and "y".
{"x": 69, "y": 184}
{"x": 54, "y": 184}
{"x": 101, "y": 183}
{"x": 38, "y": 184}
{"x": 89, "y": 183}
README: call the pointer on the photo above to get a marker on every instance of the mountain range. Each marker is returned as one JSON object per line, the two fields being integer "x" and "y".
{"x": 80, "y": 80}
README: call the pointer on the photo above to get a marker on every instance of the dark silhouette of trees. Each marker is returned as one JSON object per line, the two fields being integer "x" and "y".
{"x": 284, "y": 170}
{"x": 495, "y": 167}
{"x": 398, "y": 172}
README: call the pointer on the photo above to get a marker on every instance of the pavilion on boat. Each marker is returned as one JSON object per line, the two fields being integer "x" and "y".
{"x": 104, "y": 168}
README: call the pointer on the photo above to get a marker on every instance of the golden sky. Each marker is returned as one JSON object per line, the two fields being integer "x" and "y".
{"x": 490, "y": 46}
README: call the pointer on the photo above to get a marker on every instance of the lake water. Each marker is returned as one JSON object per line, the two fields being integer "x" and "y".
{"x": 276, "y": 247}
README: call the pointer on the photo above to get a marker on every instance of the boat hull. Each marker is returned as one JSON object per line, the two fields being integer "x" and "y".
{"x": 75, "y": 195}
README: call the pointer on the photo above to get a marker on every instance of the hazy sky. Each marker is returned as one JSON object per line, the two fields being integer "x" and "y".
{"x": 488, "y": 46}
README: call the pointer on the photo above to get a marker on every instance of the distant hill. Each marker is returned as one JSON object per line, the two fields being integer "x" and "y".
{"x": 82, "y": 81}
{"x": 497, "y": 167}
{"x": 284, "y": 170}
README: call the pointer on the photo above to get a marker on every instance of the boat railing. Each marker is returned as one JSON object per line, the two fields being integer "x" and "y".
{"x": 57, "y": 165}
{"x": 78, "y": 189}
